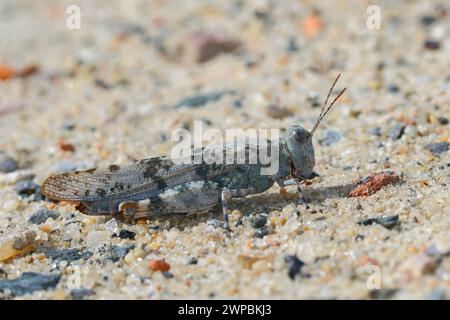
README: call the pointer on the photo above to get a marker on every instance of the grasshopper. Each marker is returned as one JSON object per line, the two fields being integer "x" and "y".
{"x": 158, "y": 186}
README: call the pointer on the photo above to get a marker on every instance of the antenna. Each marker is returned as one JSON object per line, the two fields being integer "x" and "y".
{"x": 326, "y": 109}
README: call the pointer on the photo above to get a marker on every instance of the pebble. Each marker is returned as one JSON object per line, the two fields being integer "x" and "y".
{"x": 294, "y": 266}
{"x": 313, "y": 100}
{"x": 27, "y": 188}
{"x": 330, "y": 137}
{"x": 79, "y": 294}
{"x": 116, "y": 253}
{"x": 437, "y": 147}
{"x": 432, "y": 45}
{"x": 159, "y": 265}
{"x": 443, "y": 120}
{"x": 41, "y": 215}
{"x": 167, "y": 275}
{"x": 292, "y": 45}
{"x": 153, "y": 228}
{"x": 202, "y": 99}
{"x": 192, "y": 260}
{"x": 201, "y": 46}
{"x": 69, "y": 255}
{"x": 13, "y": 247}
{"x": 30, "y": 282}
{"x": 427, "y": 20}
{"x": 258, "y": 221}
{"x": 7, "y": 163}
{"x": 112, "y": 226}
{"x": 375, "y": 131}
{"x": 397, "y": 131}
{"x": 277, "y": 112}
{"x": 14, "y": 177}
{"x": 261, "y": 233}
{"x": 386, "y": 221}
{"x": 126, "y": 234}
{"x": 214, "y": 222}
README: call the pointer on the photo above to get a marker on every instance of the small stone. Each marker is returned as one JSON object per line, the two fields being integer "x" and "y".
{"x": 41, "y": 215}
{"x": 294, "y": 266}
{"x": 443, "y": 120}
{"x": 116, "y": 253}
{"x": 432, "y": 45}
{"x": 214, "y": 222}
{"x": 79, "y": 294}
{"x": 153, "y": 228}
{"x": 201, "y": 46}
{"x": 261, "y": 233}
{"x": 277, "y": 112}
{"x": 330, "y": 137}
{"x": 258, "y": 221}
{"x": 292, "y": 45}
{"x": 393, "y": 88}
{"x": 159, "y": 265}
{"x": 29, "y": 282}
{"x": 167, "y": 275}
{"x": 126, "y": 234}
{"x": 397, "y": 131}
{"x": 112, "y": 226}
{"x": 386, "y": 221}
{"x": 69, "y": 255}
{"x": 375, "y": 131}
{"x": 192, "y": 260}
{"x": 427, "y": 20}
{"x": 7, "y": 163}
{"x": 437, "y": 148}
{"x": 26, "y": 188}
{"x": 202, "y": 99}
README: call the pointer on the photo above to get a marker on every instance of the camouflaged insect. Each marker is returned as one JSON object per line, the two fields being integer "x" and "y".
{"x": 158, "y": 186}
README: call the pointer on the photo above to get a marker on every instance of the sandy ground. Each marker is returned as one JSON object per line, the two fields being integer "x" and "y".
{"x": 107, "y": 93}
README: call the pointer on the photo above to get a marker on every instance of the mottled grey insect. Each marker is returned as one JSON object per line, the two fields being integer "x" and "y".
{"x": 158, "y": 186}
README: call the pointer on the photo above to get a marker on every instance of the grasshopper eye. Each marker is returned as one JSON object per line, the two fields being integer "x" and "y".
{"x": 299, "y": 135}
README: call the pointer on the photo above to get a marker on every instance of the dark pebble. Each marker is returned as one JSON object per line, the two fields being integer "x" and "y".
{"x": 69, "y": 255}
{"x": 437, "y": 148}
{"x": 292, "y": 45}
{"x": 397, "y": 131}
{"x": 7, "y": 163}
{"x": 313, "y": 99}
{"x": 294, "y": 266}
{"x": 237, "y": 104}
{"x": 116, "y": 253}
{"x": 330, "y": 137}
{"x": 167, "y": 275}
{"x": 386, "y": 221}
{"x": 427, "y": 20}
{"x": 29, "y": 282}
{"x": 79, "y": 294}
{"x": 26, "y": 188}
{"x": 359, "y": 237}
{"x": 393, "y": 88}
{"x": 192, "y": 260}
{"x": 381, "y": 294}
{"x": 261, "y": 233}
{"x": 201, "y": 100}
{"x": 432, "y": 45}
{"x": 258, "y": 221}
{"x": 126, "y": 234}
{"x": 443, "y": 121}
{"x": 375, "y": 131}
{"x": 41, "y": 215}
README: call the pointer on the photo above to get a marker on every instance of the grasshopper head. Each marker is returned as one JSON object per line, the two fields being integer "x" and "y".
{"x": 300, "y": 150}
{"x": 299, "y": 144}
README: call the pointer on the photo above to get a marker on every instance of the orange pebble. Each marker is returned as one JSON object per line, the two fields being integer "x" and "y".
{"x": 6, "y": 73}
{"x": 159, "y": 265}
{"x": 312, "y": 25}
